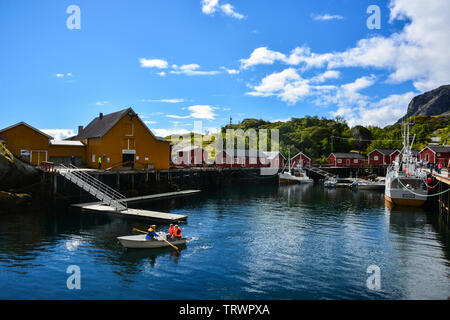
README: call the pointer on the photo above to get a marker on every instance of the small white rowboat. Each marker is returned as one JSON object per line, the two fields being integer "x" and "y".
{"x": 139, "y": 241}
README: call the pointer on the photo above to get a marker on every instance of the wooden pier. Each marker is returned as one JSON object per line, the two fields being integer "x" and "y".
{"x": 443, "y": 200}
{"x": 139, "y": 213}
{"x": 151, "y": 197}
{"x": 136, "y": 213}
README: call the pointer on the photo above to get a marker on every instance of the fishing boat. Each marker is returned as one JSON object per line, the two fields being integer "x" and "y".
{"x": 404, "y": 179}
{"x": 139, "y": 241}
{"x": 294, "y": 175}
{"x": 330, "y": 182}
{"x": 368, "y": 185}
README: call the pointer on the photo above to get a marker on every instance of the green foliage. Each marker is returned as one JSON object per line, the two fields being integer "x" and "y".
{"x": 6, "y": 153}
{"x": 318, "y": 137}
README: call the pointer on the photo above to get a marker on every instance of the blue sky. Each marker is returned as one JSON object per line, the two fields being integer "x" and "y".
{"x": 179, "y": 61}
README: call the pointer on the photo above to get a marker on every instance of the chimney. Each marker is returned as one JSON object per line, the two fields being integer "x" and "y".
{"x": 80, "y": 129}
{"x": 101, "y": 115}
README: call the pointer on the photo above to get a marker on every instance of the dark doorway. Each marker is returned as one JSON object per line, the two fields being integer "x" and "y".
{"x": 128, "y": 160}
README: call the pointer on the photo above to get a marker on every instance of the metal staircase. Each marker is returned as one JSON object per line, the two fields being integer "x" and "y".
{"x": 321, "y": 172}
{"x": 98, "y": 189}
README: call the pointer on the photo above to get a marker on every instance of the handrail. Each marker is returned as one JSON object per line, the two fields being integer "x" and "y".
{"x": 92, "y": 185}
{"x": 88, "y": 176}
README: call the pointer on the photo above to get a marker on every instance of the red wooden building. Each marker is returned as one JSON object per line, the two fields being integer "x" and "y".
{"x": 346, "y": 159}
{"x": 380, "y": 157}
{"x": 274, "y": 159}
{"x": 300, "y": 160}
{"x": 435, "y": 155}
{"x": 190, "y": 156}
{"x": 241, "y": 158}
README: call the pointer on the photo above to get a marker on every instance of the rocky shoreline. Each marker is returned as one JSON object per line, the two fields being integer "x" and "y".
{"x": 14, "y": 176}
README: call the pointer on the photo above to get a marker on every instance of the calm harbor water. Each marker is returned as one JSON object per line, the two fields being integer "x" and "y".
{"x": 246, "y": 242}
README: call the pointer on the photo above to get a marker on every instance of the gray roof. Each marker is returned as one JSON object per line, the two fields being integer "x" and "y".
{"x": 97, "y": 128}
{"x": 440, "y": 149}
{"x": 385, "y": 151}
{"x": 350, "y": 155}
{"x": 240, "y": 152}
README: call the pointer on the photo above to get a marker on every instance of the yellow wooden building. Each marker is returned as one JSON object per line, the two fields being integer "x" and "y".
{"x": 33, "y": 145}
{"x": 117, "y": 138}
{"x": 123, "y": 138}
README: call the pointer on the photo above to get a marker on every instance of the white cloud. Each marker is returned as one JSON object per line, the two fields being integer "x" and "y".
{"x": 62, "y": 75}
{"x": 164, "y": 100}
{"x": 380, "y": 113}
{"x": 230, "y": 71}
{"x": 417, "y": 53}
{"x": 153, "y": 63}
{"x": 330, "y": 74}
{"x": 59, "y": 134}
{"x": 149, "y": 122}
{"x": 261, "y": 55}
{"x": 198, "y": 112}
{"x": 101, "y": 103}
{"x": 228, "y": 9}
{"x": 191, "y": 70}
{"x": 326, "y": 17}
{"x": 209, "y": 7}
{"x": 290, "y": 87}
{"x": 169, "y": 132}
{"x": 162, "y": 73}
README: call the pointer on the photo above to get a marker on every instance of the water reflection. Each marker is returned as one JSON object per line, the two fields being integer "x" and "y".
{"x": 263, "y": 242}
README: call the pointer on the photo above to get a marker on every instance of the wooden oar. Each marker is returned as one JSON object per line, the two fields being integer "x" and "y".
{"x": 176, "y": 248}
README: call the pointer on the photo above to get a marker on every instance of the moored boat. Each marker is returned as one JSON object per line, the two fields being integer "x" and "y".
{"x": 139, "y": 241}
{"x": 330, "y": 182}
{"x": 295, "y": 175}
{"x": 368, "y": 185}
{"x": 404, "y": 179}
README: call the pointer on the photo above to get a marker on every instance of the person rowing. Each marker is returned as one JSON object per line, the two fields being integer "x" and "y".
{"x": 151, "y": 234}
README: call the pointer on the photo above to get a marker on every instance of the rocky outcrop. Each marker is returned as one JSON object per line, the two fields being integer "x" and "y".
{"x": 431, "y": 103}
{"x": 362, "y": 136}
{"x": 14, "y": 173}
{"x": 14, "y": 201}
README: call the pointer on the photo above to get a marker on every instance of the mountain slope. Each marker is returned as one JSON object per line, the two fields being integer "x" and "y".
{"x": 431, "y": 103}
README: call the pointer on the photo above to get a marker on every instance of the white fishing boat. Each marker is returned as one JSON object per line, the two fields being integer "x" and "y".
{"x": 139, "y": 241}
{"x": 295, "y": 175}
{"x": 404, "y": 179}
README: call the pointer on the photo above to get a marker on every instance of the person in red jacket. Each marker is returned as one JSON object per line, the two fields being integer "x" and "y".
{"x": 171, "y": 231}
{"x": 177, "y": 232}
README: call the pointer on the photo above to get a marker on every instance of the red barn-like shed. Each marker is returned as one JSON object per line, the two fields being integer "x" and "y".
{"x": 274, "y": 159}
{"x": 346, "y": 159}
{"x": 241, "y": 158}
{"x": 382, "y": 157}
{"x": 190, "y": 156}
{"x": 301, "y": 160}
{"x": 435, "y": 155}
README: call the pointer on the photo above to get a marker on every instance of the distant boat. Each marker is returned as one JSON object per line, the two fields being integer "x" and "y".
{"x": 404, "y": 179}
{"x": 330, "y": 182}
{"x": 368, "y": 185}
{"x": 139, "y": 241}
{"x": 298, "y": 176}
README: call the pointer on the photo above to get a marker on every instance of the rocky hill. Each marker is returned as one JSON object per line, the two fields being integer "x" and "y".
{"x": 431, "y": 103}
{"x": 15, "y": 173}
